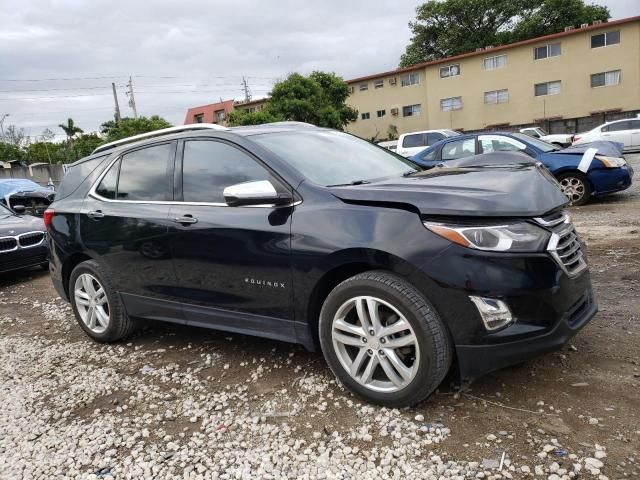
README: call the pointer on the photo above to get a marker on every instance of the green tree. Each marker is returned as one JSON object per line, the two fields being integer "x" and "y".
{"x": 318, "y": 99}
{"x": 70, "y": 128}
{"x": 47, "y": 152}
{"x": 127, "y": 127}
{"x": 9, "y": 151}
{"x": 85, "y": 144}
{"x": 451, "y": 27}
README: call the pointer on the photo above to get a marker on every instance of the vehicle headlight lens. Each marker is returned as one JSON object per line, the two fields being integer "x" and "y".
{"x": 611, "y": 162}
{"x": 513, "y": 237}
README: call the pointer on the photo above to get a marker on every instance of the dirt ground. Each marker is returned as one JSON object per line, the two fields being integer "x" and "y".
{"x": 586, "y": 394}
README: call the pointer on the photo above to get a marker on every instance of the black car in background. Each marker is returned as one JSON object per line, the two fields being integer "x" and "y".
{"x": 314, "y": 236}
{"x": 22, "y": 240}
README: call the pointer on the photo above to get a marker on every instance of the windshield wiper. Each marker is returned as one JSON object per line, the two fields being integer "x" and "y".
{"x": 354, "y": 182}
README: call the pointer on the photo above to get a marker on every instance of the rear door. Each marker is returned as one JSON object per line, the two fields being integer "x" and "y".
{"x": 232, "y": 263}
{"x": 124, "y": 224}
{"x": 618, "y": 132}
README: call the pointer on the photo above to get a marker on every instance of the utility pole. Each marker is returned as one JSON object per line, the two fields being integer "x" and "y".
{"x": 115, "y": 99}
{"x": 1, "y": 124}
{"x": 247, "y": 92}
{"x": 132, "y": 99}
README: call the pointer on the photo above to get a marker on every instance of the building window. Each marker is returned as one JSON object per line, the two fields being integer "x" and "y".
{"x": 378, "y": 83}
{"x": 605, "y": 79}
{"x": 547, "y": 88}
{"x": 546, "y": 51}
{"x": 365, "y": 116}
{"x": 411, "y": 110}
{"x": 493, "y": 63}
{"x": 605, "y": 39}
{"x": 496, "y": 96}
{"x": 381, "y": 113}
{"x": 453, "y": 103}
{"x": 199, "y": 118}
{"x": 450, "y": 70}
{"x": 219, "y": 115}
{"x": 410, "y": 79}
{"x": 364, "y": 86}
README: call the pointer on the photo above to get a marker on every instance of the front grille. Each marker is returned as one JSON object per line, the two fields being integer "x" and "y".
{"x": 565, "y": 245}
{"x": 30, "y": 239}
{"x": 8, "y": 243}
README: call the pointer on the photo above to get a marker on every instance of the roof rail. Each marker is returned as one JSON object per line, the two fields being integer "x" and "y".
{"x": 159, "y": 133}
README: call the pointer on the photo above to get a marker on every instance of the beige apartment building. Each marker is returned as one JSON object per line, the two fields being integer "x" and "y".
{"x": 571, "y": 81}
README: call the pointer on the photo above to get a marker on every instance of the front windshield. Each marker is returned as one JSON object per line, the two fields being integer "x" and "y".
{"x": 536, "y": 142}
{"x": 327, "y": 157}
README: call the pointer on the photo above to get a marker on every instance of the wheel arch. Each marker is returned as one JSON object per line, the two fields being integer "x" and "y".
{"x": 69, "y": 264}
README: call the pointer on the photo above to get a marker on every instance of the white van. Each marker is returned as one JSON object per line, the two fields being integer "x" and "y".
{"x": 414, "y": 142}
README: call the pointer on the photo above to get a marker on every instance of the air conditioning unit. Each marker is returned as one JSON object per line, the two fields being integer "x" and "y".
{"x": 568, "y": 29}
{"x": 394, "y": 111}
{"x": 597, "y": 22}
{"x": 488, "y": 47}
{"x": 584, "y": 25}
{"x": 393, "y": 81}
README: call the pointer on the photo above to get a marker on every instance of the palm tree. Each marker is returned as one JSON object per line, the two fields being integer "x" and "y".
{"x": 70, "y": 128}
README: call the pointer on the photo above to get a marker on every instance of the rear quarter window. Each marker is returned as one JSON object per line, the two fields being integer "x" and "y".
{"x": 77, "y": 174}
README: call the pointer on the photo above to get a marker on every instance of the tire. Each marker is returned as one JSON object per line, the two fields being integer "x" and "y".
{"x": 576, "y": 187}
{"x": 117, "y": 324}
{"x": 421, "y": 342}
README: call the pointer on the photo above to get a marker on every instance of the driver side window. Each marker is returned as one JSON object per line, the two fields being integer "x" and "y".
{"x": 208, "y": 167}
{"x": 498, "y": 145}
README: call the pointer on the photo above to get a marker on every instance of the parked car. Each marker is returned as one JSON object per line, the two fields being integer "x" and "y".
{"x": 559, "y": 139}
{"x": 413, "y": 142}
{"x": 625, "y": 131}
{"x": 317, "y": 237}
{"x": 604, "y": 170}
{"x": 389, "y": 145}
{"x": 22, "y": 240}
{"x": 27, "y": 193}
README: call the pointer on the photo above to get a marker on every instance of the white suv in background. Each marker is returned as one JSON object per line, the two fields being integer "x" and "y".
{"x": 625, "y": 131}
{"x": 559, "y": 139}
{"x": 414, "y": 142}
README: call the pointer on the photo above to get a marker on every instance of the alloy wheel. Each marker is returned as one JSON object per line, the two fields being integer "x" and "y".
{"x": 375, "y": 344}
{"x": 573, "y": 188}
{"x": 92, "y": 303}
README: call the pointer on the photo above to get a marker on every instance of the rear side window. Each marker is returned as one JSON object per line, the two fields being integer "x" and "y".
{"x": 433, "y": 138}
{"x": 143, "y": 175}
{"x": 76, "y": 175}
{"x": 415, "y": 140}
{"x": 459, "y": 149}
{"x": 618, "y": 126}
{"x": 208, "y": 167}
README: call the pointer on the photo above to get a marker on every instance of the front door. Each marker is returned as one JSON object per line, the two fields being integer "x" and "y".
{"x": 618, "y": 132}
{"x": 232, "y": 263}
{"x": 125, "y": 222}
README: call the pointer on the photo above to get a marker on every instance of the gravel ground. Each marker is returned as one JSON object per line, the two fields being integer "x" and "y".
{"x": 177, "y": 402}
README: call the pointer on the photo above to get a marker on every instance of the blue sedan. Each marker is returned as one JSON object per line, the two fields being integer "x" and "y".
{"x": 590, "y": 170}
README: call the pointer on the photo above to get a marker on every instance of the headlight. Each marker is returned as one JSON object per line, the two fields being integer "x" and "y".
{"x": 512, "y": 237}
{"x": 611, "y": 162}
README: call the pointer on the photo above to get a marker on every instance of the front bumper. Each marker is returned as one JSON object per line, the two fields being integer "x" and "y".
{"x": 611, "y": 180}
{"x": 23, "y": 258}
{"x": 477, "y": 360}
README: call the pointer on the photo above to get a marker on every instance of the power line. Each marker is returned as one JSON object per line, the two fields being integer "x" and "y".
{"x": 125, "y": 76}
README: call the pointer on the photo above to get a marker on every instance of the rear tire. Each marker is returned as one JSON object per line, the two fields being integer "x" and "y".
{"x": 384, "y": 340}
{"x": 97, "y": 305}
{"x": 576, "y": 187}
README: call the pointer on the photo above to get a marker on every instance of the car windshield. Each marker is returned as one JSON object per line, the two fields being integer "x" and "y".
{"x": 4, "y": 211}
{"x": 333, "y": 158}
{"x": 451, "y": 133}
{"x": 536, "y": 142}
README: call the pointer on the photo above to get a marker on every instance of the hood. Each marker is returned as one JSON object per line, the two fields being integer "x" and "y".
{"x": 491, "y": 191}
{"x": 19, "y": 224}
{"x": 604, "y": 147}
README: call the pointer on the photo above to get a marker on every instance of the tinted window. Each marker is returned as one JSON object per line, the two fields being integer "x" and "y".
{"x": 76, "y": 175}
{"x": 430, "y": 156}
{"x": 618, "y": 126}
{"x": 459, "y": 149}
{"x": 415, "y": 140}
{"x": 433, "y": 138}
{"x": 635, "y": 124}
{"x": 209, "y": 167}
{"x": 144, "y": 174}
{"x": 107, "y": 187}
{"x": 597, "y": 41}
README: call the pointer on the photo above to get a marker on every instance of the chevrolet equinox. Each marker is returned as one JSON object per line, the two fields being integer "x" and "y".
{"x": 313, "y": 236}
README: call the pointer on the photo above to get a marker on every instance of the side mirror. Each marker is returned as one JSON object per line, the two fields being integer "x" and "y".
{"x": 19, "y": 209}
{"x": 261, "y": 192}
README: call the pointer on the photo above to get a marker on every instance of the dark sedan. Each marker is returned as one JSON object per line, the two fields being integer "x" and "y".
{"x": 588, "y": 170}
{"x": 22, "y": 241}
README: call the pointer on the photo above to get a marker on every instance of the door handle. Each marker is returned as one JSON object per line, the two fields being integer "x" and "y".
{"x": 95, "y": 214}
{"x": 186, "y": 220}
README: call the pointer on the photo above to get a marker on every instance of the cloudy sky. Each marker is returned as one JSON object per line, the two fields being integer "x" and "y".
{"x": 58, "y": 58}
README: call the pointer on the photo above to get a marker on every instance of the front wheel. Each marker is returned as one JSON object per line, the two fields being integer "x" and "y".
{"x": 383, "y": 339}
{"x": 576, "y": 187}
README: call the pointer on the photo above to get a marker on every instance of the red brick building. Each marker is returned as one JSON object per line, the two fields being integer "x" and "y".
{"x": 212, "y": 113}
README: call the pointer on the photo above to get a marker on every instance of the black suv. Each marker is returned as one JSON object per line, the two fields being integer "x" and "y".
{"x": 313, "y": 236}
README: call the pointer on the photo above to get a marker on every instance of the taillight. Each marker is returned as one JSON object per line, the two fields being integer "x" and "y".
{"x": 576, "y": 138}
{"x": 48, "y": 216}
